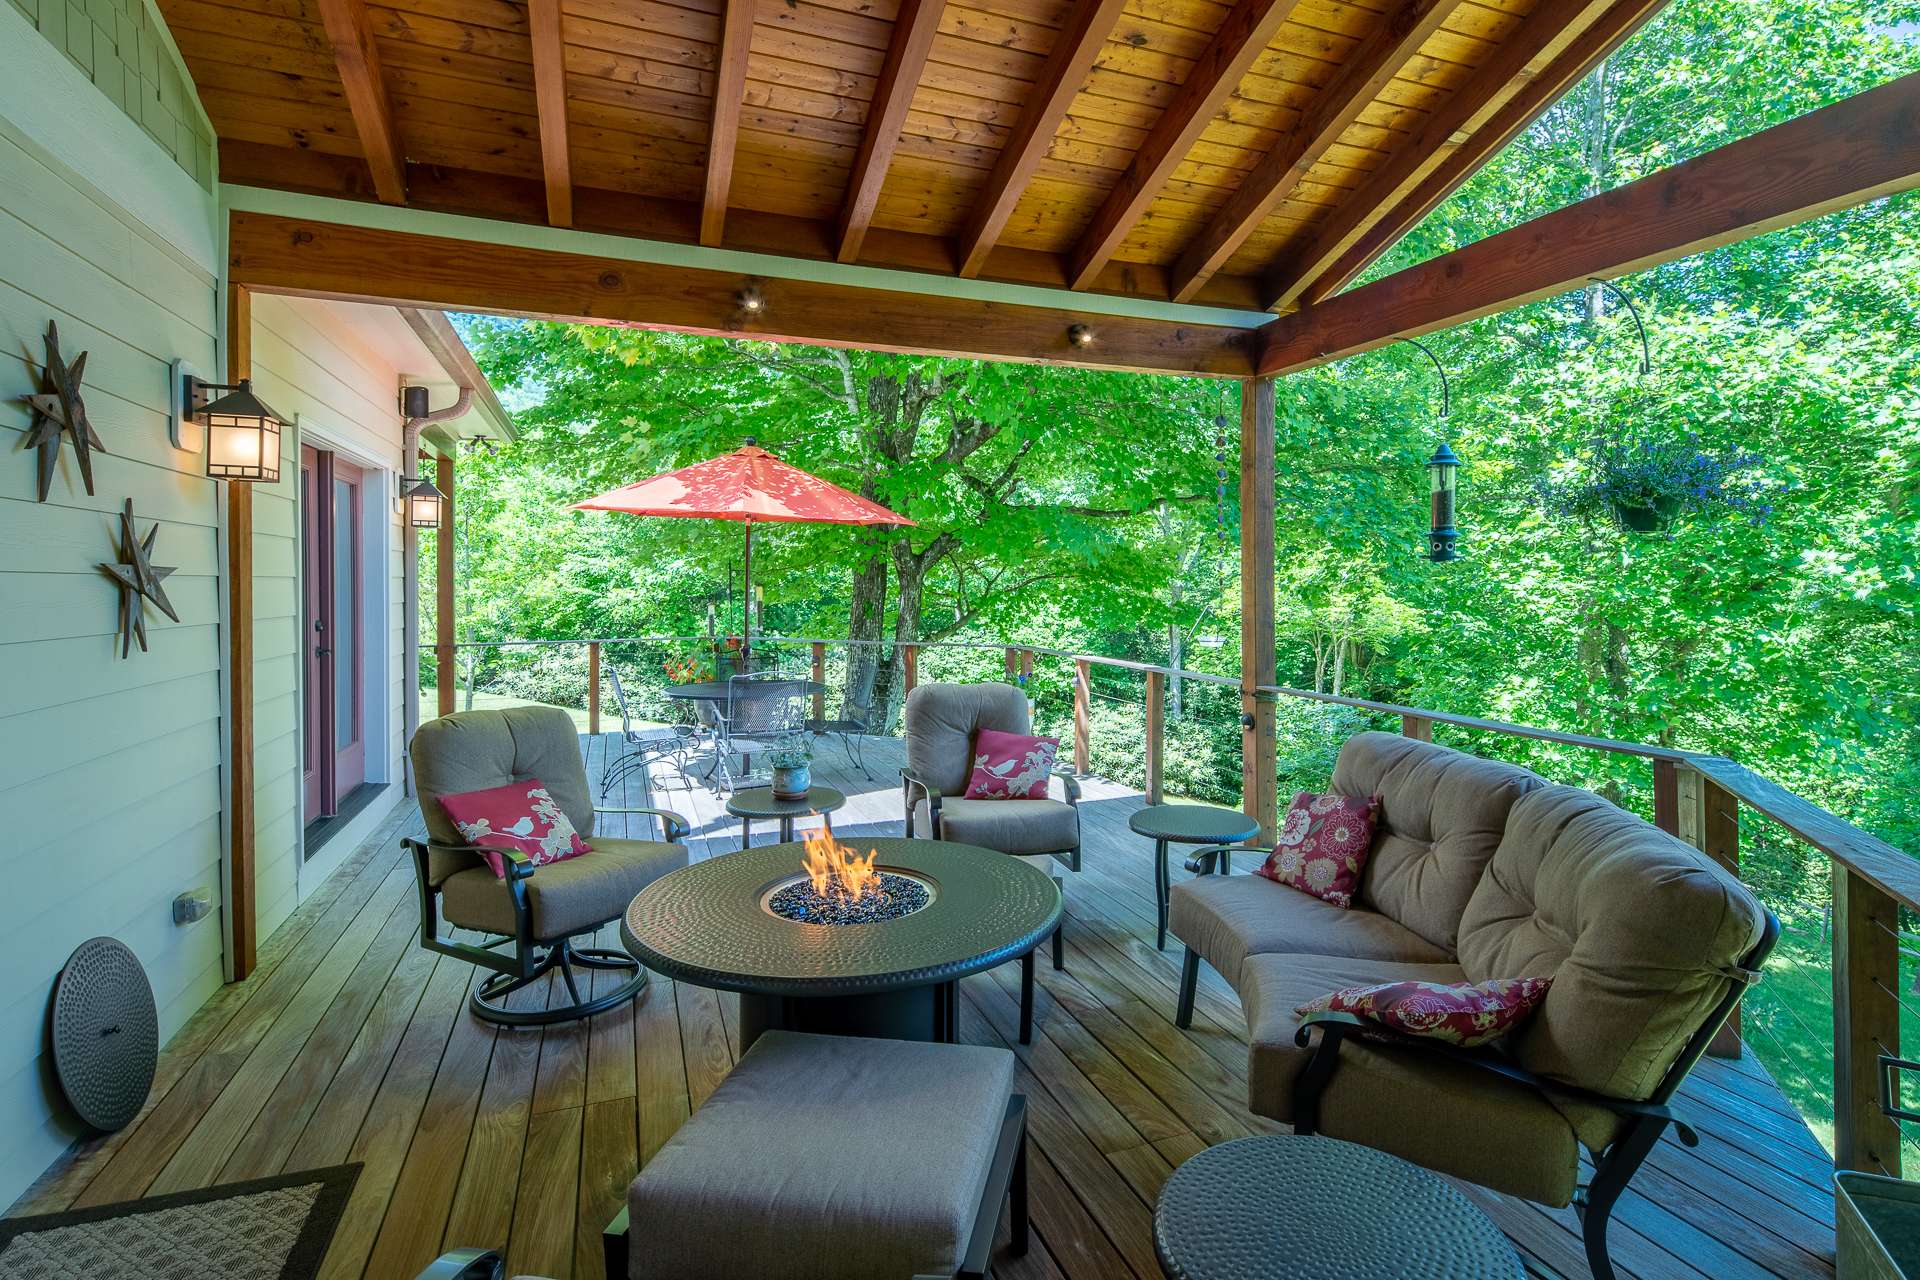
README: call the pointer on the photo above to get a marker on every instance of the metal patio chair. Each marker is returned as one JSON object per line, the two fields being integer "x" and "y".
{"x": 758, "y": 712}
{"x": 645, "y": 746}
{"x": 852, "y": 728}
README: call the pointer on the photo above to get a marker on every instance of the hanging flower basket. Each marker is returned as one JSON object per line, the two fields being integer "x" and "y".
{"x": 1644, "y": 485}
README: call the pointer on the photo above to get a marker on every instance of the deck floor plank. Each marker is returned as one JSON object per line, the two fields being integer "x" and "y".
{"x": 350, "y": 1043}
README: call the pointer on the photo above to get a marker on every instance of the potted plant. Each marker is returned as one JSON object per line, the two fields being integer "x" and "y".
{"x": 792, "y": 763}
{"x": 1643, "y": 484}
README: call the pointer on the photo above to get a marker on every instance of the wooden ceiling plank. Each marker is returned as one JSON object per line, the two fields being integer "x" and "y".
{"x": 550, "y": 95}
{"x": 1858, "y": 149}
{"x": 1514, "y": 66}
{"x": 314, "y": 258}
{"x": 1359, "y": 82}
{"x": 729, "y": 94}
{"x": 1586, "y": 51}
{"x": 1075, "y": 48}
{"x": 913, "y": 32}
{"x": 1242, "y": 38}
{"x": 351, "y": 35}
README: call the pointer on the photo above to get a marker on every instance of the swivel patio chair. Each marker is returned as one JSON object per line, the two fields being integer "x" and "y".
{"x": 646, "y": 746}
{"x": 940, "y": 721}
{"x": 852, "y": 728}
{"x": 536, "y": 915}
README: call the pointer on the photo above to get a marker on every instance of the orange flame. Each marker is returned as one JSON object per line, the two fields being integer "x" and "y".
{"x": 837, "y": 871}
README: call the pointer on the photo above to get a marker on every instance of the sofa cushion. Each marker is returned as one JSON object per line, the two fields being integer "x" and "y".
{"x": 825, "y": 1156}
{"x": 475, "y": 750}
{"x": 1466, "y": 1015}
{"x": 1410, "y": 1102}
{"x": 564, "y": 898}
{"x": 1441, "y": 816}
{"x": 939, "y": 721}
{"x": 1322, "y": 845}
{"x": 1641, "y": 934}
{"x": 1228, "y": 918}
{"x": 1010, "y": 826}
{"x": 1011, "y": 766}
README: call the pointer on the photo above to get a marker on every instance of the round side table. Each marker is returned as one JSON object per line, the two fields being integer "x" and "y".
{"x": 1291, "y": 1208}
{"x": 758, "y": 803}
{"x": 1167, "y": 824}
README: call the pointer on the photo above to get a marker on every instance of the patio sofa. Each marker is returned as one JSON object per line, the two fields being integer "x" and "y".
{"x": 1483, "y": 870}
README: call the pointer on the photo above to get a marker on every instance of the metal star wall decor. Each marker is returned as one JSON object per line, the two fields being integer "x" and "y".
{"x": 58, "y": 411}
{"x": 139, "y": 580}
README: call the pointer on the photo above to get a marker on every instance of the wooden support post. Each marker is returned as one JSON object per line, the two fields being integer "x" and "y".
{"x": 1419, "y": 728}
{"x": 910, "y": 660}
{"x": 443, "y": 587}
{"x": 1707, "y": 816}
{"x": 1666, "y": 796}
{"x": 1013, "y": 664}
{"x": 593, "y": 687}
{"x": 241, "y": 831}
{"x": 1866, "y": 1022}
{"x": 1156, "y": 737}
{"x": 820, "y": 678}
{"x": 1082, "y": 716}
{"x": 1259, "y": 797}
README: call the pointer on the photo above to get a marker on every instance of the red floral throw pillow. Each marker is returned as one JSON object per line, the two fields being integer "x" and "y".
{"x": 520, "y": 815}
{"x": 1324, "y": 841}
{"x": 1010, "y": 766}
{"x": 1466, "y": 1014}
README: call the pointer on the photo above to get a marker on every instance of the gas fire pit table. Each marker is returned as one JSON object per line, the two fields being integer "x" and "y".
{"x": 941, "y": 911}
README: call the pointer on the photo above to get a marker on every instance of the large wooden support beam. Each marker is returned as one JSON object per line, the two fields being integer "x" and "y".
{"x": 242, "y": 859}
{"x": 1856, "y": 150}
{"x": 1333, "y": 110}
{"x": 1242, "y": 38}
{"x": 1074, "y": 50}
{"x": 550, "y": 98}
{"x": 729, "y": 96}
{"x": 1866, "y": 1022}
{"x": 1537, "y": 91}
{"x": 321, "y": 259}
{"x": 1528, "y": 70}
{"x": 351, "y": 36}
{"x": 1259, "y": 797}
{"x": 914, "y": 28}
{"x": 443, "y": 599}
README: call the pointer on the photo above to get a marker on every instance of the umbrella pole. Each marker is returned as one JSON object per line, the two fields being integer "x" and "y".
{"x": 746, "y": 605}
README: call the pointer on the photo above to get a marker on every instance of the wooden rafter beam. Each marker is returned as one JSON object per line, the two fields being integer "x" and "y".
{"x": 1332, "y": 112}
{"x": 1088, "y": 24}
{"x": 550, "y": 96}
{"x": 313, "y": 258}
{"x": 1856, "y": 150}
{"x": 1249, "y": 28}
{"x": 729, "y": 94}
{"x": 913, "y": 31}
{"x": 1421, "y": 194}
{"x": 358, "y": 61}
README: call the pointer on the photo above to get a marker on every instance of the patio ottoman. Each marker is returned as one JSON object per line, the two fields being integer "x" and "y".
{"x": 835, "y": 1158}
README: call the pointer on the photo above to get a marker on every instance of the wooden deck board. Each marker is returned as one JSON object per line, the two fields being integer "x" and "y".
{"x": 350, "y": 1043}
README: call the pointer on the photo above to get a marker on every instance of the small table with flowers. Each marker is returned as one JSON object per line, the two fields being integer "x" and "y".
{"x": 750, "y": 803}
{"x": 1167, "y": 824}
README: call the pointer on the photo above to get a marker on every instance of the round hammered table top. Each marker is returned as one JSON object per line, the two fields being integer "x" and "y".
{"x": 1193, "y": 824}
{"x": 760, "y": 802}
{"x": 106, "y": 1035}
{"x": 704, "y": 923}
{"x": 1291, "y": 1208}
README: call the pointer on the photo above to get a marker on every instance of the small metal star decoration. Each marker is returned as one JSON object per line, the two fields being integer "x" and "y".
{"x": 58, "y": 411}
{"x": 139, "y": 580}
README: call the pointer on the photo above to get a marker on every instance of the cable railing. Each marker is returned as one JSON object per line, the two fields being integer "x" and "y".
{"x": 1697, "y": 797}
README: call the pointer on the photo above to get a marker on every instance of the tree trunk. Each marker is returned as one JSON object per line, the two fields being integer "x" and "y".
{"x": 865, "y": 617}
{"x": 910, "y": 573}
{"x": 1176, "y": 651}
{"x": 1339, "y": 664}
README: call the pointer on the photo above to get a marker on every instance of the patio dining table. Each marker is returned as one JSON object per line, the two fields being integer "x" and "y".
{"x": 716, "y": 690}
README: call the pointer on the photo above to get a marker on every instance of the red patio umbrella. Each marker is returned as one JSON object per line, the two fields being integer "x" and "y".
{"x": 748, "y": 484}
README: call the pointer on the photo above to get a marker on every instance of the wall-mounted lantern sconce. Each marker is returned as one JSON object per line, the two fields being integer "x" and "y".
{"x": 422, "y": 500}
{"x": 243, "y": 433}
{"x": 1443, "y": 473}
{"x": 1079, "y": 335}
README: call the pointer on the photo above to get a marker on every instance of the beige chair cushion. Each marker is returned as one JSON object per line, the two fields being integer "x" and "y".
{"x": 1641, "y": 934}
{"x": 1441, "y": 816}
{"x": 1010, "y": 826}
{"x": 565, "y": 897}
{"x": 1442, "y": 1115}
{"x": 939, "y": 722}
{"x": 475, "y": 750}
{"x": 825, "y": 1157}
{"x": 1228, "y": 918}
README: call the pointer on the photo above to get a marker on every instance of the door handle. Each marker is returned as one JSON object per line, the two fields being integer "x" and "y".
{"x": 321, "y": 651}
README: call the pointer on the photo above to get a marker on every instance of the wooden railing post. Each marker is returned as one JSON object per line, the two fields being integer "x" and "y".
{"x": 910, "y": 663}
{"x": 1666, "y": 797}
{"x": 1419, "y": 728}
{"x": 1082, "y": 713}
{"x": 593, "y": 687}
{"x": 1156, "y": 736}
{"x": 1013, "y": 664}
{"x": 1707, "y": 816}
{"x": 1866, "y": 1022}
{"x": 820, "y": 678}
{"x": 443, "y": 587}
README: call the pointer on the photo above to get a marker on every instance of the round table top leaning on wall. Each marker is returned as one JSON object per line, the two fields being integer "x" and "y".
{"x": 705, "y": 924}
{"x": 1282, "y": 1207}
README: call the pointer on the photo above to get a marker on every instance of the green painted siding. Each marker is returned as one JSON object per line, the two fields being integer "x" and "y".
{"x": 122, "y": 47}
